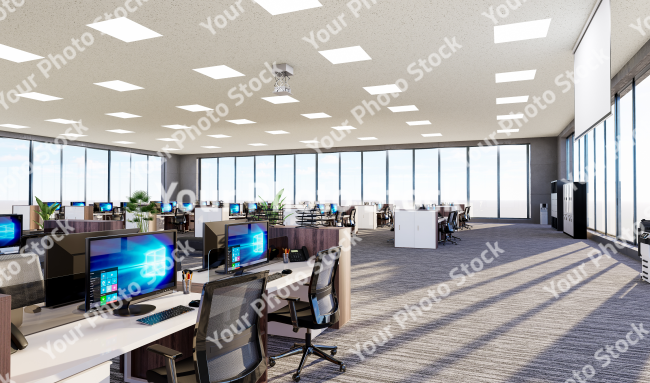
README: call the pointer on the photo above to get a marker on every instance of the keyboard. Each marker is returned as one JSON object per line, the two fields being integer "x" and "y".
{"x": 275, "y": 276}
{"x": 164, "y": 315}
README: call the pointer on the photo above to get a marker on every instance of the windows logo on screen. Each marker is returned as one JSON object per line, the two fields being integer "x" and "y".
{"x": 258, "y": 243}
{"x": 155, "y": 263}
{"x": 7, "y": 231}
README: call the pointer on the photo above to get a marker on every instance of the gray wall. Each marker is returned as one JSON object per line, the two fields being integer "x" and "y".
{"x": 543, "y": 165}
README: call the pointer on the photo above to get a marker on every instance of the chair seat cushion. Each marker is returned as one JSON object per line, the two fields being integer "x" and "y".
{"x": 184, "y": 372}
{"x": 305, "y": 318}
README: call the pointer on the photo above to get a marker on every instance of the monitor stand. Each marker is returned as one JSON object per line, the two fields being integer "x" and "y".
{"x": 128, "y": 310}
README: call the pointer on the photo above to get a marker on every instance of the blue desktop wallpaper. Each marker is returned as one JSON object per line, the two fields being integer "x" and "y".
{"x": 105, "y": 207}
{"x": 77, "y": 204}
{"x": 253, "y": 243}
{"x": 321, "y": 207}
{"x": 234, "y": 208}
{"x": 10, "y": 231}
{"x": 334, "y": 208}
{"x": 166, "y": 207}
{"x": 173, "y": 203}
{"x": 49, "y": 204}
{"x": 144, "y": 259}
{"x": 188, "y": 206}
{"x": 252, "y": 206}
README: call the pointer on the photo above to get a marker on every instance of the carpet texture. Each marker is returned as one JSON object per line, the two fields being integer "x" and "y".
{"x": 497, "y": 324}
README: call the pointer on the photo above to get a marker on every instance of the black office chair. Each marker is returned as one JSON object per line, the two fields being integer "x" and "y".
{"x": 447, "y": 229}
{"x": 455, "y": 223}
{"x": 466, "y": 218}
{"x": 232, "y": 356}
{"x": 322, "y": 311}
{"x": 338, "y": 220}
{"x": 179, "y": 221}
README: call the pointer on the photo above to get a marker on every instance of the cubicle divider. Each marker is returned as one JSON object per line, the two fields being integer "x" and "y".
{"x": 5, "y": 337}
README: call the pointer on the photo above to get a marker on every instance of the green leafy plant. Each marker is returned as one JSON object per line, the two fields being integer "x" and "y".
{"x": 275, "y": 208}
{"x": 142, "y": 209}
{"x": 45, "y": 212}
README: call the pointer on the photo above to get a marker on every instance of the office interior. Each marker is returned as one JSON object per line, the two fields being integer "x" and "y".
{"x": 425, "y": 191}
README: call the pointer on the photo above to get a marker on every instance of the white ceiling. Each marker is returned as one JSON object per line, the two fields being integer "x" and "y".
{"x": 458, "y": 97}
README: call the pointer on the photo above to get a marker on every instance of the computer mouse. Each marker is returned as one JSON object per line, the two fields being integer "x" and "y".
{"x": 195, "y": 303}
{"x": 287, "y": 271}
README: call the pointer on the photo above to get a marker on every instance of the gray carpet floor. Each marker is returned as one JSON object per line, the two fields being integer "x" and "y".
{"x": 500, "y": 325}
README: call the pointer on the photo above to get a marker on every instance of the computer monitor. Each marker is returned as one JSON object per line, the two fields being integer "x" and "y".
{"x": 205, "y": 203}
{"x": 124, "y": 204}
{"x": 125, "y": 269}
{"x": 321, "y": 207}
{"x": 65, "y": 266}
{"x": 11, "y": 229}
{"x": 334, "y": 208}
{"x": 188, "y": 206}
{"x": 252, "y": 206}
{"x": 173, "y": 203}
{"x": 247, "y": 244}
{"x": 105, "y": 207}
{"x": 77, "y": 204}
{"x": 379, "y": 206}
{"x": 166, "y": 207}
{"x": 234, "y": 208}
{"x": 50, "y": 204}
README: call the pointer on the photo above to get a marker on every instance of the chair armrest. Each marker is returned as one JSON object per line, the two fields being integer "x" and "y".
{"x": 164, "y": 351}
{"x": 294, "y": 314}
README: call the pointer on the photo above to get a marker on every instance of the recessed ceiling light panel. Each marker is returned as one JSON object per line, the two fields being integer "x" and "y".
{"x": 343, "y": 128}
{"x": 219, "y": 136}
{"x": 510, "y": 116}
{"x": 74, "y": 135}
{"x": 257, "y": 144}
{"x": 124, "y": 29}
{"x": 432, "y": 135}
{"x": 382, "y": 89}
{"x": 123, "y": 142}
{"x": 279, "y": 7}
{"x": 120, "y": 131}
{"x": 118, "y": 85}
{"x": 195, "y": 108}
{"x": 62, "y": 121}
{"x": 512, "y": 100}
{"x": 276, "y": 132}
{"x": 313, "y": 116}
{"x": 39, "y": 96}
{"x": 405, "y": 108}
{"x": 508, "y": 131}
{"x": 521, "y": 31}
{"x": 310, "y": 142}
{"x": 12, "y": 126}
{"x": 219, "y": 72}
{"x": 211, "y": 147}
{"x": 524, "y": 75}
{"x": 123, "y": 115}
{"x": 367, "y": 138}
{"x": 416, "y": 123}
{"x": 280, "y": 99}
{"x": 16, "y": 55}
{"x": 241, "y": 122}
{"x": 166, "y": 139}
{"x": 346, "y": 55}
{"x": 177, "y": 127}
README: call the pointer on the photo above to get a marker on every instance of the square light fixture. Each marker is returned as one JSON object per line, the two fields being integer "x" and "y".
{"x": 313, "y": 116}
{"x": 120, "y": 131}
{"x": 508, "y": 131}
{"x": 367, "y": 138}
{"x": 511, "y": 116}
{"x": 346, "y": 55}
{"x": 524, "y": 75}
{"x": 521, "y": 31}
{"x": 382, "y": 89}
{"x": 512, "y": 100}
{"x": 276, "y": 132}
{"x": 432, "y": 135}
{"x": 241, "y": 122}
{"x": 211, "y": 147}
{"x": 12, "y": 126}
{"x": 118, "y": 85}
{"x": 124, "y": 29}
{"x": 39, "y": 96}
{"x": 176, "y": 127}
{"x": 168, "y": 149}
{"x": 405, "y": 108}
{"x": 310, "y": 142}
{"x": 257, "y": 144}
{"x": 416, "y": 123}
{"x": 219, "y": 136}
{"x": 280, "y": 99}
{"x": 73, "y": 135}
{"x": 63, "y": 121}
{"x": 16, "y": 55}
{"x": 279, "y": 7}
{"x": 218, "y": 72}
{"x": 166, "y": 139}
{"x": 343, "y": 127}
{"x": 195, "y": 108}
{"x": 123, "y": 115}
{"x": 123, "y": 142}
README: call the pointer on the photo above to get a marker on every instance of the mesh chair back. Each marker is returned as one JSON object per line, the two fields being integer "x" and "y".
{"x": 22, "y": 280}
{"x": 353, "y": 217}
{"x": 322, "y": 291}
{"x": 450, "y": 221}
{"x": 227, "y": 340}
{"x": 467, "y": 213}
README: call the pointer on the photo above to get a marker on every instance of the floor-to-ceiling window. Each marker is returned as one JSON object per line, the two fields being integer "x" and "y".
{"x": 642, "y": 109}
{"x": 350, "y": 178}
{"x": 374, "y": 177}
{"x": 154, "y": 177}
{"x": 284, "y": 171}
{"x": 139, "y": 170}
{"x": 14, "y": 172}
{"x": 626, "y": 167}
{"x": 73, "y": 176}
{"x": 483, "y": 181}
{"x": 305, "y": 177}
{"x": 265, "y": 178}
{"x": 400, "y": 178}
{"x": 599, "y": 138}
{"x": 209, "y": 179}
{"x": 453, "y": 175}
{"x": 513, "y": 178}
{"x": 120, "y": 176}
{"x": 96, "y": 175}
{"x": 245, "y": 187}
{"x": 426, "y": 177}
{"x": 589, "y": 174}
{"x": 227, "y": 179}
{"x": 47, "y": 172}
{"x": 328, "y": 178}
{"x": 611, "y": 153}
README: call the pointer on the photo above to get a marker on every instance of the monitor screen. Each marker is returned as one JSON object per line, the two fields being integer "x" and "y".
{"x": 321, "y": 207}
{"x": 49, "y": 204}
{"x": 126, "y": 266}
{"x": 379, "y": 206}
{"x": 124, "y": 204}
{"x": 173, "y": 203}
{"x": 234, "y": 208}
{"x": 252, "y": 206}
{"x": 334, "y": 208}
{"x": 77, "y": 204}
{"x": 188, "y": 206}
{"x": 105, "y": 206}
{"x": 11, "y": 228}
{"x": 204, "y": 203}
{"x": 166, "y": 207}
{"x": 247, "y": 244}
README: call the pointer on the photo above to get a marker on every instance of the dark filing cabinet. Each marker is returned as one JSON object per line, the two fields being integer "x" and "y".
{"x": 575, "y": 209}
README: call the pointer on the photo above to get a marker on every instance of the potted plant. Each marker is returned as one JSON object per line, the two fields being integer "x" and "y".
{"x": 142, "y": 209}
{"x": 274, "y": 211}
{"x": 45, "y": 211}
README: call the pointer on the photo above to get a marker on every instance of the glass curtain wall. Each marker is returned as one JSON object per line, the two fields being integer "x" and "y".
{"x": 154, "y": 177}
{"x": 305, "y": 177}
{"x": 374, "y": 177}
{"x": 599, "y": 140}
{"x": 400, "y": 178}
{"x": 483, "y": 181}
{"x": 351, "y": 178}
{"x": 46, "y": 172}
{"x": 265, "y": 178}
{"x": 14, "y": 172}
{"x": 328, "y": 178}
{"x": 120, "y": 177}
{"x": 453, "y": 175}
{"x": 426, "y": 177}
{"x": 227, "y": 179}
{"x": 245, "y": 187}
{"x": 513, "y": 178}
{"x": 209, "y": 179}
{"x": 74, "y": 174}
{"x": 284, "y": 181}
